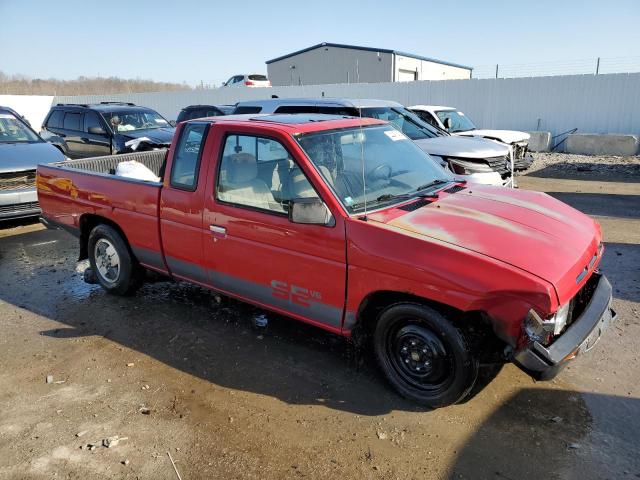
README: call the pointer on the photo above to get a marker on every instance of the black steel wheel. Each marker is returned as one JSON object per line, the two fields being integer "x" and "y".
{"x": 423, "y": 355}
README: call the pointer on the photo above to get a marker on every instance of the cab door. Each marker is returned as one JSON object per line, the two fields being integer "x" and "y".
{"x": 181, "y": 204}
{"x": 252, "y": 250}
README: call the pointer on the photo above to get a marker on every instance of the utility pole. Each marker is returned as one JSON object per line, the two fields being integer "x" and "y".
{"x": 598, "y": 66}
{"x": 496, "y": 70}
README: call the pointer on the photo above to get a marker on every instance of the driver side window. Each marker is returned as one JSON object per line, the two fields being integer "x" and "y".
{"x": 258, "y": 172}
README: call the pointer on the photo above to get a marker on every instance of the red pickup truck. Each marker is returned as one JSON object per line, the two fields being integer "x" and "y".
{"x": 346, "y": 224}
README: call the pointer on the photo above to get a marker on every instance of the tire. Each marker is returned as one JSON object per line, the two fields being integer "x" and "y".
{"x": 424, "y": 356}
{"x": 112, "y": 263}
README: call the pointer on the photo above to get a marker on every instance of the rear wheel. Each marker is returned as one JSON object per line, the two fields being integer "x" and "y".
{"x": 113, "y": 266}
{"x": 424, "y": 357}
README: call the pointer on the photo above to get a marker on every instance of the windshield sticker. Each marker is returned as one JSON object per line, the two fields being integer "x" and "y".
{"x": 6, "y": 115}
{"x": 160, "y": 120}
{"x": 395, "y": 135}
{"x": 461, "y": 114}
{"x": 348, "y": 201}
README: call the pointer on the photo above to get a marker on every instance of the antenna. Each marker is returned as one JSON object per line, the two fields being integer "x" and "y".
{"x": 364, "y": 181}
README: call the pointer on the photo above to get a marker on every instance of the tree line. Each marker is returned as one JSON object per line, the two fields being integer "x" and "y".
{"x": 22, "y": 85}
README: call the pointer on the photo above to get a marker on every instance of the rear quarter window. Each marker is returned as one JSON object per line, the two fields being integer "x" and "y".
{"x": 247, "y": 109}
{"x": 55, "y": 119}
{"x": 186, "y": 159}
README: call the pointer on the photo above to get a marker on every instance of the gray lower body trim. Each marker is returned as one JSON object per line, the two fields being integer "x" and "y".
{"x": 312, "y": 309}
{"x": 149, "y": 257}
{"x": 187, "y": 270}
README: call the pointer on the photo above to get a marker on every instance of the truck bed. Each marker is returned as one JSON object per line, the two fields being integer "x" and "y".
{"x": 73, "y": 193}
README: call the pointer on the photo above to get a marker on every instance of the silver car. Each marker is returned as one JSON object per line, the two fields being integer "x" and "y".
{"x": 470, "y": 158}
{"x": 21, "y": 150}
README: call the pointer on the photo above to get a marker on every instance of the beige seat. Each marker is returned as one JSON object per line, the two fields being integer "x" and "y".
{"x": 239, "y": 184}
{"x": 299, "y": 185}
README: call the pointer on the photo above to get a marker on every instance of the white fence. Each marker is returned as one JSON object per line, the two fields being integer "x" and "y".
{"x": 591, "y": 103}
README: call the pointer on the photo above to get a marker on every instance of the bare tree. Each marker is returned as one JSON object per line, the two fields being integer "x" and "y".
{"x": 22, "y": 85}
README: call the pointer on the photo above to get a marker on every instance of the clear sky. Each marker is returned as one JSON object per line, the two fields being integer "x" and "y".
{"x": 190, "y": 41}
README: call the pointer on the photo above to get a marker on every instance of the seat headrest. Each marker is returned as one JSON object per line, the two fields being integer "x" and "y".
{"x": 242, "y": 167}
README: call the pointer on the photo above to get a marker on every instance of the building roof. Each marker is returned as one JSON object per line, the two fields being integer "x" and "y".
{"x": 367, "y": 49}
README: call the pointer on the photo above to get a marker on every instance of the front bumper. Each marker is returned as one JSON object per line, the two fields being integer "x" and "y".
{"x": 486, "y": 178}
{"x": 544, "y": 363}
{"x": 19, "y": 203}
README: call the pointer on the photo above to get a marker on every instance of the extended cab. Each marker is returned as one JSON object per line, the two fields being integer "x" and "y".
{"x": 345, "y": 223}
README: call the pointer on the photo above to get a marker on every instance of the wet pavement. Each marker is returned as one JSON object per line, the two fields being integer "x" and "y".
{"x": 174, "y": 370}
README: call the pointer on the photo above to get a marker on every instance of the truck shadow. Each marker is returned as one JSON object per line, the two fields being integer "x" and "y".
{"x": 569, "y": 435}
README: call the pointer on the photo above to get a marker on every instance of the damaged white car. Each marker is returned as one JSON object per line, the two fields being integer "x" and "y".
{"x": 457, "y": 123}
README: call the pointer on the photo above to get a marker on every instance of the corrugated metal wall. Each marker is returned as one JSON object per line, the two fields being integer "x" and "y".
{"x": 591, "y": 103}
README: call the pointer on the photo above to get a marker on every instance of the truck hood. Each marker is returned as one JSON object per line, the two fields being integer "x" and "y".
{"x": 17, "y": 157}
{"x": 159, "y": 136}
{"x": 506, "y": 136}
{"x": 528, "y": 230}
{"x": 463, "y": 147}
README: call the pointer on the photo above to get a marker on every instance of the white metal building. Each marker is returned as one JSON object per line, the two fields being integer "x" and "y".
{"x": 335, "y": 63}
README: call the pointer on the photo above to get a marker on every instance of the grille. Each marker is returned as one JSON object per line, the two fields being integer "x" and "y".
{"x": 18, "y": 180}
{"x": 502, "y": 165}
{"x": 454, "y": 189}
{"x": 410, "y": 207}
{"x": 19, "y": 207}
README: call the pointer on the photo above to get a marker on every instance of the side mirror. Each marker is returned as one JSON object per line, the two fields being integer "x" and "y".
{"x": 224, "y": 84}
{"x": 172, "y": 123}
{"x": 310, "y": 211}
{"x": 447, "y": 123}
{"x": 97, "y": 131}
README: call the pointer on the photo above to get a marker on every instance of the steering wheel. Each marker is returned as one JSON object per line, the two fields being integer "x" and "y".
{"x": 381, "y": 172}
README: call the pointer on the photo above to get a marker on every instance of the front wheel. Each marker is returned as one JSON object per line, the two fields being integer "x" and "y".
{"x": 424, "y": 357}
{"x": 113, "y": 266}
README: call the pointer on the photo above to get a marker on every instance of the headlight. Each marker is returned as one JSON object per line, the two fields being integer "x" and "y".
{"x": 541, "y": 330}
{"x": 465, "y": 167}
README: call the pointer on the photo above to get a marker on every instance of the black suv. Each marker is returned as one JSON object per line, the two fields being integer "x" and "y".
{"x": 107, "y": 128}
{"x": 203, "y": 111}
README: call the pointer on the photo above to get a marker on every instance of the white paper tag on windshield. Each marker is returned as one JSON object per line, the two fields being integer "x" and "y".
{"x": 6, "y": 115}
{"x": 395, "y": 135}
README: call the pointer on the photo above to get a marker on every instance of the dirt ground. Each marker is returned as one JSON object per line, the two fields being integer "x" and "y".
{"x": 171, "y": 370}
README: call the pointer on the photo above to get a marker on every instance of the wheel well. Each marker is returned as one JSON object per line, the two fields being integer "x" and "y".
{"x": 87, "y": 223}
{"x": 476, "y": 324}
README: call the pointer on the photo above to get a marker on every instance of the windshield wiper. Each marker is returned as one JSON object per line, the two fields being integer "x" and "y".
{"x": 431, "y": 184}
{"x": 391, "y": 196}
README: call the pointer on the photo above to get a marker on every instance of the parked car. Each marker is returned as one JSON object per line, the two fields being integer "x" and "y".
{"x": 248, "y": 80}
{"x": 457, "y": 123}
{"x": 91, "y": 130}
{"x": 345, "y": 224}
{"x": 475, "y": 159}
{"x": 21, "y": 150}
{"x": 203, "y": 111}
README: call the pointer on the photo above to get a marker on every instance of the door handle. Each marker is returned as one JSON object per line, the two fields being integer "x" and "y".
{"x": 217, "y": 229}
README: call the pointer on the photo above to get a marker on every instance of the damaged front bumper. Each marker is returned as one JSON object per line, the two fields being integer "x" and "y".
{"x": 544, "y": 363}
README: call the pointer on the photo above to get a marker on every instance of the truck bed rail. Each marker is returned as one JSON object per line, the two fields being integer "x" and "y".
{"x": 152, "y": 159}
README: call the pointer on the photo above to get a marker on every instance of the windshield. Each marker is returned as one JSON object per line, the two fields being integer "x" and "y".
{"x": 124, "y": 121}
{"x": 13, "y": 130}
{"x": 404, "y": 120}
{"x": 394, "y": 168}
{"x": 458, "y": 121}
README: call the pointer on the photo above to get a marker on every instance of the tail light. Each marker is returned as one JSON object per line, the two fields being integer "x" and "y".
{"x": 249, "y": 83}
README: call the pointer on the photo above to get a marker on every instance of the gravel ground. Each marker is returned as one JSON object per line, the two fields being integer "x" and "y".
{"x": 561, "y": 164}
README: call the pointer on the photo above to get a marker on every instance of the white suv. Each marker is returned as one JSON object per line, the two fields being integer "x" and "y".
{"x": 251, "y": 80}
